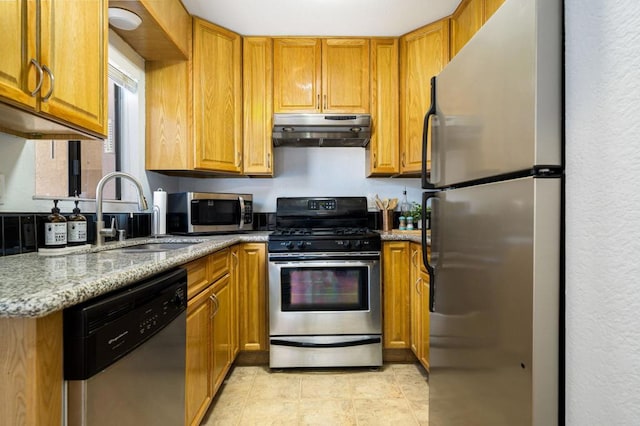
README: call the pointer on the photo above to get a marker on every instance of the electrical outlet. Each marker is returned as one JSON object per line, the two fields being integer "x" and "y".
{"x": 1, "y": 189}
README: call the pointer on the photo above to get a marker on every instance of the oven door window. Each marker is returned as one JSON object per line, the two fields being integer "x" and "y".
{"x": 215, "y": 212}
{"x": 324, "y": 289}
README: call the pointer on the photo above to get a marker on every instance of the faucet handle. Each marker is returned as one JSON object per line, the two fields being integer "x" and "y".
{"x": 110, "y": 232}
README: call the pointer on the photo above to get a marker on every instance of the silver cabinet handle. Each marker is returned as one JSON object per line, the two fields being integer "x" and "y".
{"x": 325, "y": 101}
{"x": 268, "y": 160}
{"x": 318, "y": 102}
{"x": 52, "y": 78}
{"x": 216, "y": 305}
{"x": 235, "y": 258}
{"x": 418, "y": 282}
{"x": 40, "y": 77}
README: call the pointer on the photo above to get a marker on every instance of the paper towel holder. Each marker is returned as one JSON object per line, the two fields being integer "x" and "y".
{"x": 159, "y": 202}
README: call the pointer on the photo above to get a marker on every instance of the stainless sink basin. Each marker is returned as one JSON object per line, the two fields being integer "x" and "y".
{"x": 153, "y": 247}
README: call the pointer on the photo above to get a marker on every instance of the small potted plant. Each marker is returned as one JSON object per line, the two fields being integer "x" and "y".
{"x": 416, "y": 214}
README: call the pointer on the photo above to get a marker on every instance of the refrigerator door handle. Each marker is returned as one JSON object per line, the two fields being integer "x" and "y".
{"x": 426, "y": 183}
{"x": 425, "y": 252}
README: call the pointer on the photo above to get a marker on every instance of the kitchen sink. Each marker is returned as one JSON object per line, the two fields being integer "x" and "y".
{"x": 153, "y": 247}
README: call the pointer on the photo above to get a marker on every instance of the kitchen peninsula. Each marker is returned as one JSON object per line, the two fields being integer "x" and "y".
{"x": 34, "y": 289}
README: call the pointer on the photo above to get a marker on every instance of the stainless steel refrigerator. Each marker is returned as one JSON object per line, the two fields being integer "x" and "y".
{"x": 495, "y": 190}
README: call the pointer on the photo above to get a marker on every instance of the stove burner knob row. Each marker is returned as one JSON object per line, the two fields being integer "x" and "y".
{"x": 290, "y": 245}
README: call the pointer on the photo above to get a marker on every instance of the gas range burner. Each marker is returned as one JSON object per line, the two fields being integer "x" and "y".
{"x": 316, "y": 232}
{"x": 322, "y": 224}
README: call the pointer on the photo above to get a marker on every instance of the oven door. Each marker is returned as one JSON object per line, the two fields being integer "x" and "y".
{"x": 324, "y": 294}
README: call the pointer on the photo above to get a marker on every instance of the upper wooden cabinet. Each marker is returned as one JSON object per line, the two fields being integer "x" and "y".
{"x": 490, "y": 7}
{"x": 423, "y": 54}
{"x": 321, "y": 75}
{"x": 467, "y": 19}
{"x": 217, "y": 98}
{"x": 383, "y": 151}
{"x": 194, "y": 108}
{"x": 41, "y": 40}
{"x": 257, "y": 84}
{"x": 465, "y": 22}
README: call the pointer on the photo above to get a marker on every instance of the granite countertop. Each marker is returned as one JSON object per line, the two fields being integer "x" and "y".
{"x": 33, "y": 285}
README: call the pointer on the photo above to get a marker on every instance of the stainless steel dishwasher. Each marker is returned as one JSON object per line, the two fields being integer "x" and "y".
{"x": 124, "y": 355}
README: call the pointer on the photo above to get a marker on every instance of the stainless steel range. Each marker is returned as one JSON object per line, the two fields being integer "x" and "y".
{"x": 324, "y": 285}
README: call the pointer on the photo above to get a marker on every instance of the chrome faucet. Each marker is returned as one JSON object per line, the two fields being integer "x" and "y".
{"x": 101, "y": 231}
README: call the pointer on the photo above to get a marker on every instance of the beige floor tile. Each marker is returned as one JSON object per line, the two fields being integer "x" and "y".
{"x": 375, "y": 386}
{"x": 371, "y": 412}
{"x": 420, "y": 411}
{"x": 326, "y": 412}
{"x": 280, "y": 387}
{"x": 334, "y": 386}
{"x": 267, "y": 412}
{"x": 393, "y": 394}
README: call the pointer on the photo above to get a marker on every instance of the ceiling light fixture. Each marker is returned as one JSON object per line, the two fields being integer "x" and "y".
{"x": 123, "y": 19}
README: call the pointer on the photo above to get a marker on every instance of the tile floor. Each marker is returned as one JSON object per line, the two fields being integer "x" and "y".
{"x": 396, "y": 394}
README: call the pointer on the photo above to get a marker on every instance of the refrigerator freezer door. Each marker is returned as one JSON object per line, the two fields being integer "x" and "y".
{"x": 499, "y": 100}
{"x": 494, "y": 330}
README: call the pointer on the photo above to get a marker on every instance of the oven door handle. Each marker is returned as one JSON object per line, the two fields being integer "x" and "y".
{"x": 360, "y": 342}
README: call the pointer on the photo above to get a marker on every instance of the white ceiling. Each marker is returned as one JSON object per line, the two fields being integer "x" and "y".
{"x": 321, "y": 17}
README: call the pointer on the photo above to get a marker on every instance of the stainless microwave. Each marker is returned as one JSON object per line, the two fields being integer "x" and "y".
{"x": 208, "y": 212}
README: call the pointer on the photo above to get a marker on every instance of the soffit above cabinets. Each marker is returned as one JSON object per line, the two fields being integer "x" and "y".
{"x": 321, "y": 17}
{"x": 164, "y": 32}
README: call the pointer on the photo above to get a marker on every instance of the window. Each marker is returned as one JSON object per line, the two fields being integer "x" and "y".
{"x": 72, "y": 168}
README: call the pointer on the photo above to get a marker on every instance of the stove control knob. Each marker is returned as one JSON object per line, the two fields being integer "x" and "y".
{"x": 300, "y": 245}
{"x": 346, "y": 244}
{"x": 288, "y": 245}
{"x": 357, "y": 244}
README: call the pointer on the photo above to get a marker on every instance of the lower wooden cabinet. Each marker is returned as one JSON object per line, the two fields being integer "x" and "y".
{"x": 419, "y": 295}
{"x": 208, "y": 351}
{"x": 395, "y": 291}
{"x": 198, "y": 389}
{"x": 252, "y": 288}
{"x": 221, "y": 331}
{"x": 226, "y": 313}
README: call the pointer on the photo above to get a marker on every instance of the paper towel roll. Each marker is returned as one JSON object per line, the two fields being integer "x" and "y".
{"x": 159, "y": 212}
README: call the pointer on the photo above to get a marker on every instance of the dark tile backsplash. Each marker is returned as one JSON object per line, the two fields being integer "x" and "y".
{"x": 24, "y": 232}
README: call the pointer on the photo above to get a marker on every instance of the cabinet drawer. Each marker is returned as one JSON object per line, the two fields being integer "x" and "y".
{"x": 197, "y": 276}
{"x": 218, "y": 264}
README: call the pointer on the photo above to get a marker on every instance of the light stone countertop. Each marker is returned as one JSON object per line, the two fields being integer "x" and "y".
{"x": 33, "y": 285}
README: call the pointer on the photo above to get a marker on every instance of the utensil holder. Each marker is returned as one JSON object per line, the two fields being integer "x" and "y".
{"x": 387, "y": 220}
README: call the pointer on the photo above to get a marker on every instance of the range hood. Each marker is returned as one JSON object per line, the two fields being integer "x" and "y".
{"x": 321, "y": 130}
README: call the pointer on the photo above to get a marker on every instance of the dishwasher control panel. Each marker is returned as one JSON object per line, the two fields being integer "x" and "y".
{"x": 100, "y": 331}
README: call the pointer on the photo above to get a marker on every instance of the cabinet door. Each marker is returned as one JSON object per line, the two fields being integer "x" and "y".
{"x": 235, "y": 295}
{"x": 424, "y": 53}
{"x": 465, "y": 22}
{"x": 416, "y": 300}
{"x": 169, "y": 136}
{"x": 221, "y": 331}
{"x": 383, "y": 150}
{"x": 345, "y": 75}
{"x": 18, "y": 48}
{"x": 73, "y": 45}
{"x": 490, "y": 7}
{"x": 257, "y": 91}
{"x": 198, "y": 358}
{"x": 395, "y": 290}
{"x": 217, "y": 96}
{"x": 253, "y": 297}
{"x": 424, "y": 320}
{"x": 296, "y": 75}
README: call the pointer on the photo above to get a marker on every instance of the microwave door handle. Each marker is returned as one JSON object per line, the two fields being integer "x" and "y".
{"x": 241, "y": 224}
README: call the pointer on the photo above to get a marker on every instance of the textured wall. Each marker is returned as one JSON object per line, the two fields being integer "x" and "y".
{"x": 603, "y": 212}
